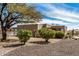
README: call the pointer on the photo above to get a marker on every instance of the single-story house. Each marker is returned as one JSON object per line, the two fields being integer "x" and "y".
{"x": 34, "y": 27}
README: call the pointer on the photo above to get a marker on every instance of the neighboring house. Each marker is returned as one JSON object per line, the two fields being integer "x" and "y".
{"x": 59, "y": 28}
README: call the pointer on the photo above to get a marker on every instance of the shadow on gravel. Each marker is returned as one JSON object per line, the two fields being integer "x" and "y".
{"x": 12, "y": 45}
{"x": 40, "y": 42}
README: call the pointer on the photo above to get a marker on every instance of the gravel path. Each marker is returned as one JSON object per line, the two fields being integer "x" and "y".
{"x": 63, "y": 48}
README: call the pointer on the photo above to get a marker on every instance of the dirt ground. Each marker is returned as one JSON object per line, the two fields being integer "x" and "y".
{"x": 13, "y": 43}
{"x": 56, "y": 47}
{"x": 61, "y": 48}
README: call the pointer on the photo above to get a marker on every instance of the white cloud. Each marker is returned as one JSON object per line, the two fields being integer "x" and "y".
{"x": 53, "y": 22}
{"x": 65, "y": 13}
{"x": 72, "y": 26}
{"x": 61, "y": 14}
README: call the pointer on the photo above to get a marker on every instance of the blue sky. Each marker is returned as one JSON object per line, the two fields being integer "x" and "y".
{"x": 60, "y": 13}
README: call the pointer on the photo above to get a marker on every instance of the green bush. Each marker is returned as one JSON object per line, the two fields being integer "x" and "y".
{"x": 47, "y": 33}
{"x": 59, "y": 34}
{"x": 24, "y": 35}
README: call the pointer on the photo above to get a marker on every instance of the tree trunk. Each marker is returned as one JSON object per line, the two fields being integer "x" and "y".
{"x": 4, "y": 35}
{"x": 47, "y": 40}
{"x": 23, "y": 43}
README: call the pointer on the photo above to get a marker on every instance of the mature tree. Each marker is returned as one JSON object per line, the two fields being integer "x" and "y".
{"x": 9, "y": 13}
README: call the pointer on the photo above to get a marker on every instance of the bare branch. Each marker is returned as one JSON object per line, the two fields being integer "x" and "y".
{"x": 10, "y": 25}
{"x": 3, "y": 6}
{"x": 6, "y": 18}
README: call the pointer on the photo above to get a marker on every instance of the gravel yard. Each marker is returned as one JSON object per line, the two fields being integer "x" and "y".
{"x": 62, "y": 48}
{"x": 13, "y": 44}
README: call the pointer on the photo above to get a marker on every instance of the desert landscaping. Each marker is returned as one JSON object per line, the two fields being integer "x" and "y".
{"x": 38, "y": 47}
{"x": 36, "y": 30}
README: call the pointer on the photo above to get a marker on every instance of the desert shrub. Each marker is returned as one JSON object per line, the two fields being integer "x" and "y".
{"x": 47, "y": 33}
{"x": 24, "y": 35}
{"x": 59, "y": 34}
